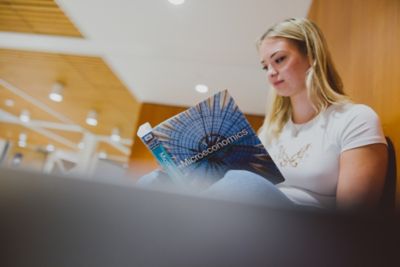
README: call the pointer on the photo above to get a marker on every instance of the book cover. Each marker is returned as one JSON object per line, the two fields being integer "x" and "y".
{"x": 199, "y": 145}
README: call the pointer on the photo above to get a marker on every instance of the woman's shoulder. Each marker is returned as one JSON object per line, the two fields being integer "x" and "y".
{"x": 354, "y": 125}
{"x": 351, "y": 111}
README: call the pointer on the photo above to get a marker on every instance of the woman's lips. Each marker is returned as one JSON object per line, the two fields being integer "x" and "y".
{"x": 278, "y": 82}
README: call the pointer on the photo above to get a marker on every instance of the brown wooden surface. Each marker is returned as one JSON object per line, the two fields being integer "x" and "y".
{"x": 35, "y": 16}
{"x": 35, "y": 140}
{"x": 89, "y": 84}
{"x": 142, "y": 161}
{"x": 364, "y": 38}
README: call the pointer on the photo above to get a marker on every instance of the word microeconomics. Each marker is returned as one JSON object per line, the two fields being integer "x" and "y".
{"x": 216, "y": 147}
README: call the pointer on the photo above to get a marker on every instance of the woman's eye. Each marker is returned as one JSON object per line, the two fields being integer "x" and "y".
{"x": 265, "y": 68}
{"x": 279, "y": 60}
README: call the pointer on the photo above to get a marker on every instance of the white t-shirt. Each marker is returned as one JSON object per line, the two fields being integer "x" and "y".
{"x": 308, "y": 154}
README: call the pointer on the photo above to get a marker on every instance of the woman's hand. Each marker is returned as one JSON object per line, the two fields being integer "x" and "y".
{"x": 361, "y": 177}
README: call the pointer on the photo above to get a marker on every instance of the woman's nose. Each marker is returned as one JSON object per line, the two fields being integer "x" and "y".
{"x": 271, "y": 71}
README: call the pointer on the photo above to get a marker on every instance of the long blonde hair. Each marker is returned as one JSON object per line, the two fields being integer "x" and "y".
{"x": 324, "y": 86}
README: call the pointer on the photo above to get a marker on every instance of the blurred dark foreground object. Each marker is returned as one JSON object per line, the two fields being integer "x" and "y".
{"x": 57, "y": 221}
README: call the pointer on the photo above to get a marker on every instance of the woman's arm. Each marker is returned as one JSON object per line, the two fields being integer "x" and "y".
{"x": 361, "y": 177}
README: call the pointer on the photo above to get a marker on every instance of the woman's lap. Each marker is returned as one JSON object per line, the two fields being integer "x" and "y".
{"x": 236, "y": 185}
{"x": 248, "y": 187}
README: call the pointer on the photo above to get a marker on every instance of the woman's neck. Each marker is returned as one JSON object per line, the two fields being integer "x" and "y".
{"x": 302, "y": 109}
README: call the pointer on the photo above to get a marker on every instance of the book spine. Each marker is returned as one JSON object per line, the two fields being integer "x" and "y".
{"x": 161, "y": 155}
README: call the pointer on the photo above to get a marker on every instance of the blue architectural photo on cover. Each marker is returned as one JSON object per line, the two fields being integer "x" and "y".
{"x": 211, "y": 138}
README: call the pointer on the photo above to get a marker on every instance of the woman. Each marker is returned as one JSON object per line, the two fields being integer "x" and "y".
{"x": 331, "y": 152}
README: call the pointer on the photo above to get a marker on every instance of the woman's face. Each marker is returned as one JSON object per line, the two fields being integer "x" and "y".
{"x": 286, "y": 66}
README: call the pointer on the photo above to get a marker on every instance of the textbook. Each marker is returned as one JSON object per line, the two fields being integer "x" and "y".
{"x": 199, "y": 145}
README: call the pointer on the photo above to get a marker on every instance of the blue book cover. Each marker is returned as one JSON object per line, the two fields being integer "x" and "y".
{"x": 199, "y": 145}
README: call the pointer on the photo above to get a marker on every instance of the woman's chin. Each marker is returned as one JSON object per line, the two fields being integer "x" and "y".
{"x": 282, "y": 92}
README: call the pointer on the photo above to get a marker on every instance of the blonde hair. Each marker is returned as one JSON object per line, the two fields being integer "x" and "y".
{"x": 324, "y": 86}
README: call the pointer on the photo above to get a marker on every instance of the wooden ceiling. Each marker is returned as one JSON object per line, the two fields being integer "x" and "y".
{"x": 89, "y": 84}
{"x": 35, "y": 16}
{"x": 27, "y": 77}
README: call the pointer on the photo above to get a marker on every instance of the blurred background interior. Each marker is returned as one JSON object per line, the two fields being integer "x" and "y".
{"x": 77, "y": 78}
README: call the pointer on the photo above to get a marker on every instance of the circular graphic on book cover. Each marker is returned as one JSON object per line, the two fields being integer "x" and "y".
{"x": 213, "y": 137}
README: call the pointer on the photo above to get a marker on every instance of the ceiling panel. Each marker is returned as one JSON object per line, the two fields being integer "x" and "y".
{"x": 40, "y": 16}
{"x": 88, "y": 84}
{"x": 22, "y": 104}
{"x": 35, "y": 141}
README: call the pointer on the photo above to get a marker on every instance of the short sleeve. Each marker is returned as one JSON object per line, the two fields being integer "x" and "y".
{"x": 361, "y": 127}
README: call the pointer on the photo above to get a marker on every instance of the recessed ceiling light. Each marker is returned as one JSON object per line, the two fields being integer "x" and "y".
{"x": 25, "y": 116}
{"x": 201, "y": 88}
{"x": 102, "y": 155}
{"x": 91, "y": 118}
{"x": 57, "y": 92}
{"x": 9, "y": 102}
{"x": 115, "y": 135}
{"x": 21, "y": 144}
{"x": 176, "y": 2}
{"x": 22, "y": 138}
{"x": 56, "y": 97}
{"x": 50, "y": 148}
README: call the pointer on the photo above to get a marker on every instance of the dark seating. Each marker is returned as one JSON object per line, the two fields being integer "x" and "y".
{"x": 388, "y": 199}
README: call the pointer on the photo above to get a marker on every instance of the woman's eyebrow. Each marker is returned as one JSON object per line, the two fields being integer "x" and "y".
{"x": 271, "y": 56}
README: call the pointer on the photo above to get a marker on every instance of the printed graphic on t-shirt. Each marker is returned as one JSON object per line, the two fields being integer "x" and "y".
{"x": 292, "y": 160}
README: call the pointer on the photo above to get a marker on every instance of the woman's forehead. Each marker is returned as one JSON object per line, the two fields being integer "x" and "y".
{"x": 274, "y": 43}
{"x": 270, "y": 46}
